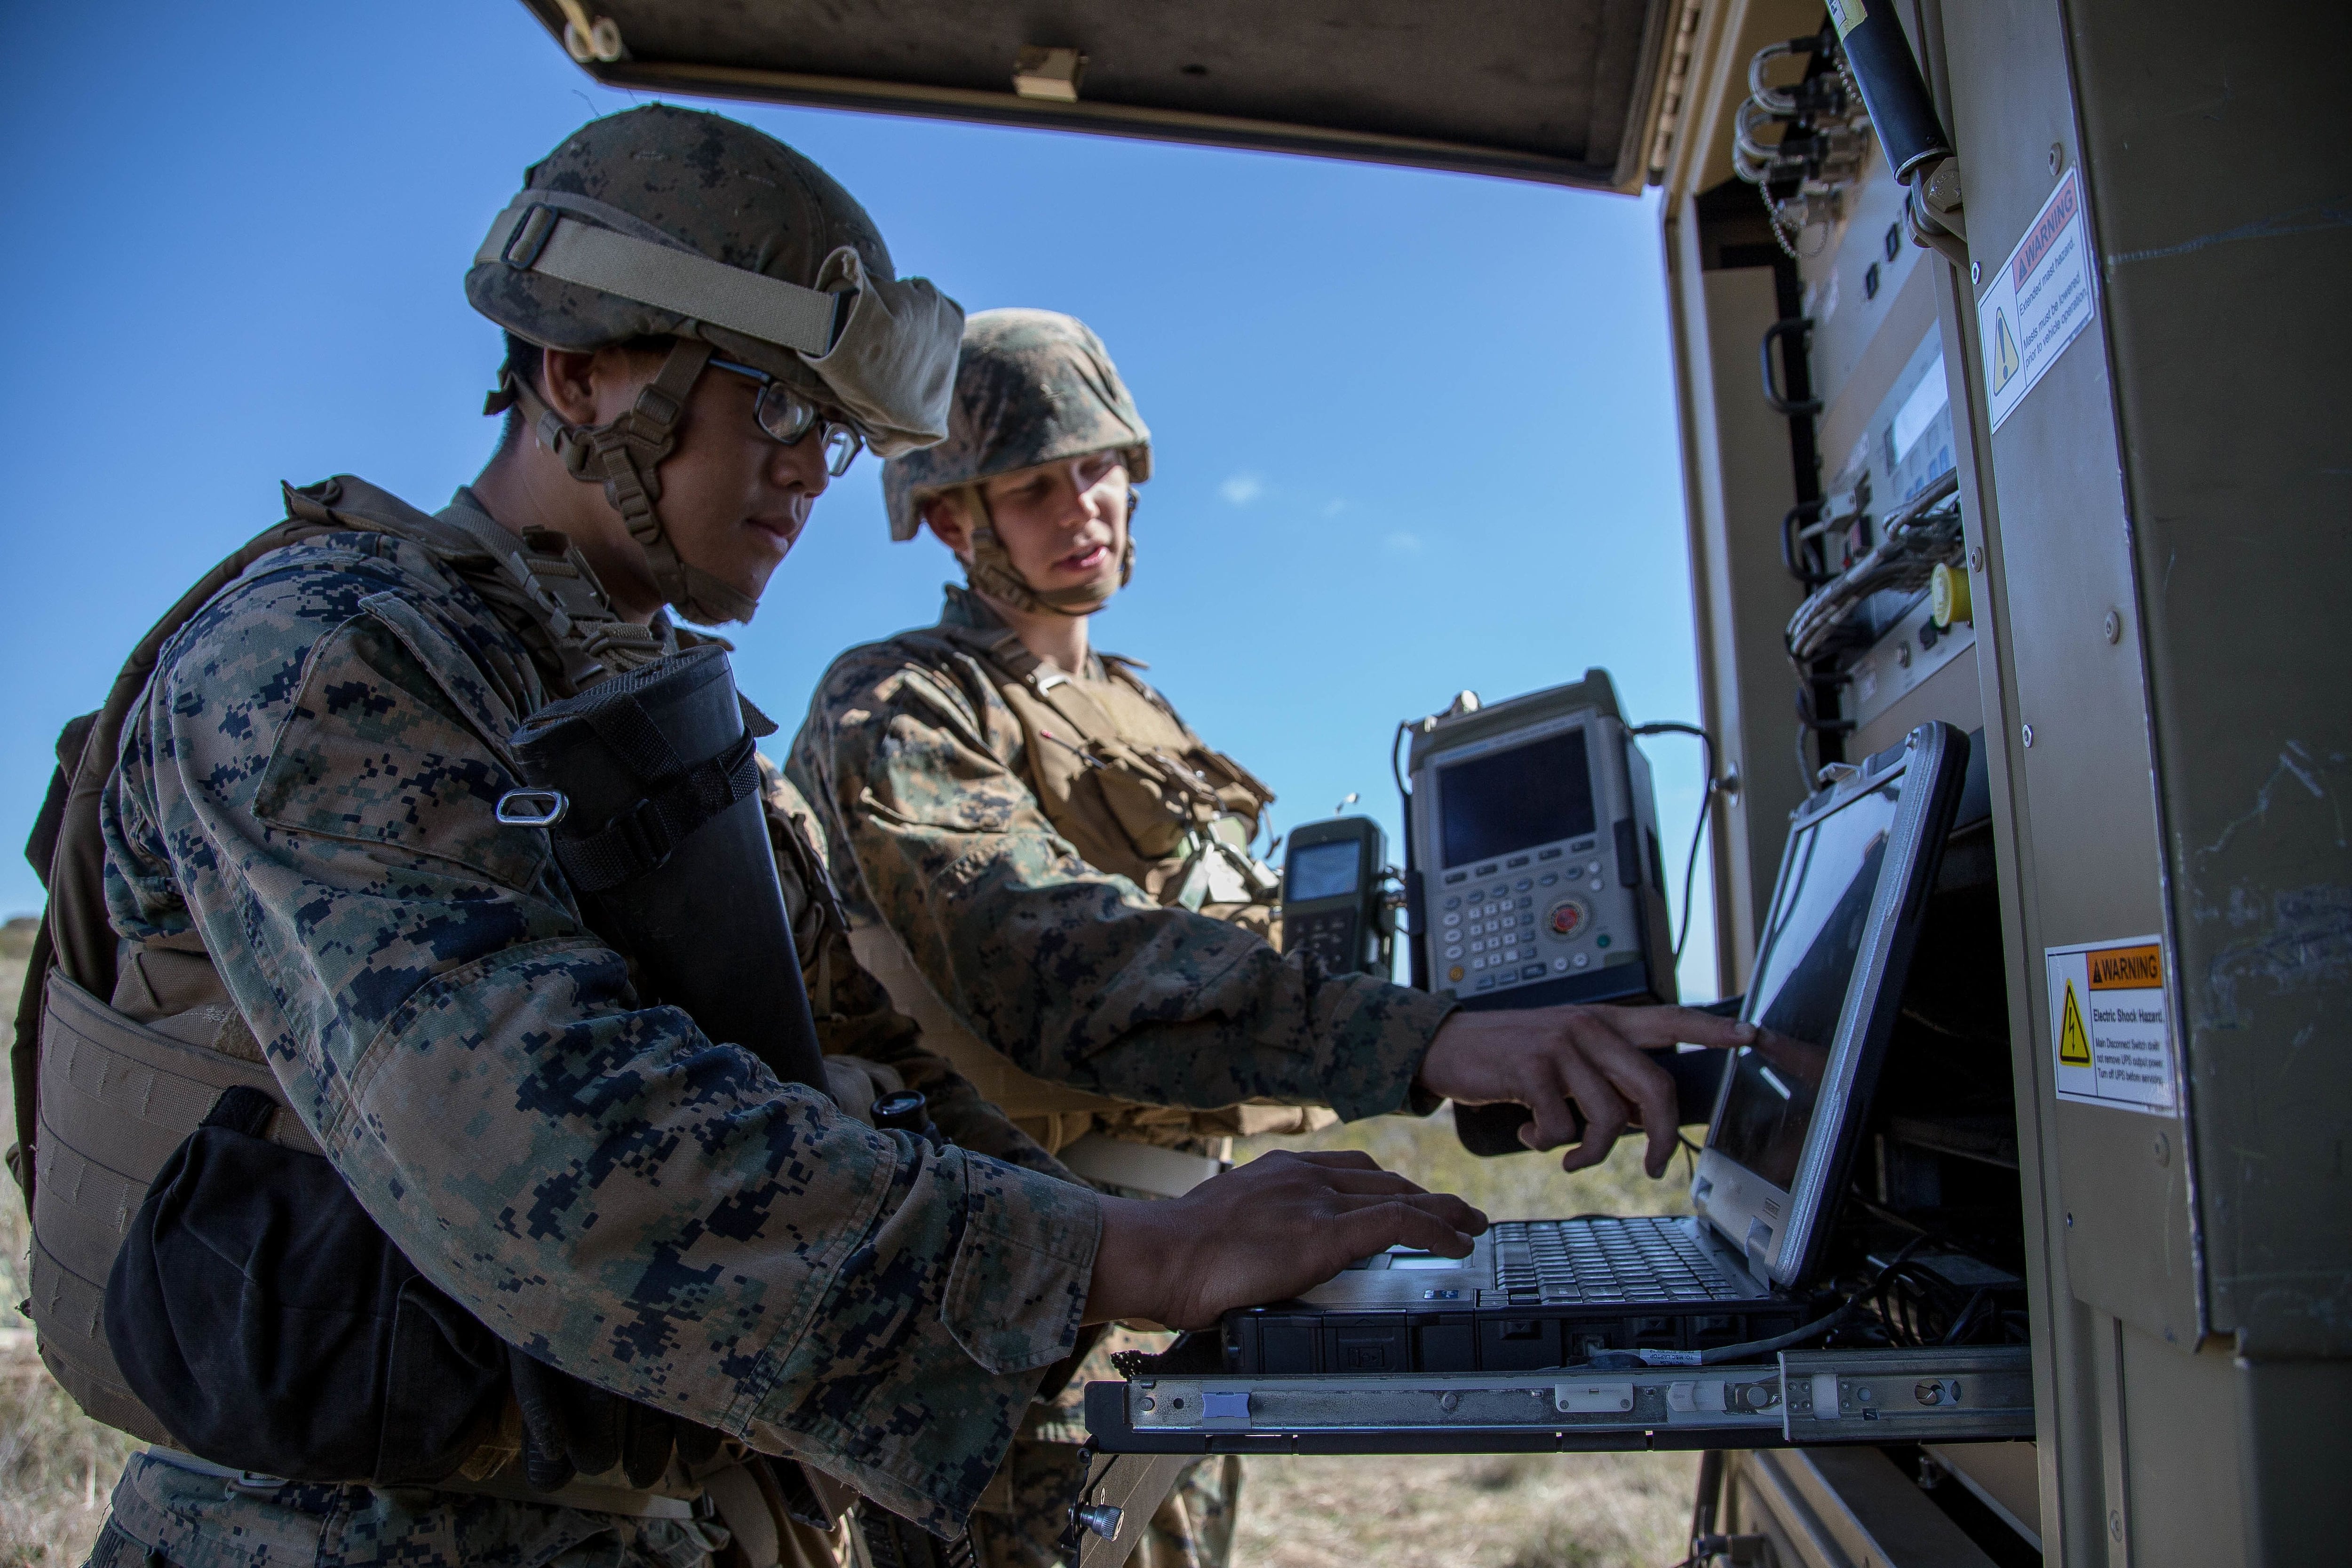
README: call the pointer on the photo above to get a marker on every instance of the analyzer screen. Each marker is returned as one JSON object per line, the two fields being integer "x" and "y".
{"x": 1511, "y": 799}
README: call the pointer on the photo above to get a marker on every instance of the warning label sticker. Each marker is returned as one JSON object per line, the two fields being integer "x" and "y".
{"x": 2111, "y": 1037}
{"x": 2040, "y": 300}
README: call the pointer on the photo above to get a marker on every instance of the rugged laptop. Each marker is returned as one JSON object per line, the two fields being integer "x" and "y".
{"x": 1854, "y": 878}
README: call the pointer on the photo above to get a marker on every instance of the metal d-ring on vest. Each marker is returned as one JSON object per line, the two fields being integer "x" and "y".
{"x": 531, "y": 807}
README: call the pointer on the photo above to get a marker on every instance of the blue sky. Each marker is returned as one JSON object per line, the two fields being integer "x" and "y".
{"x": 1413, "y": 432}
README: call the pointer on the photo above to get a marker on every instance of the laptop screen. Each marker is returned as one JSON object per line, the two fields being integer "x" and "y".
{"x": 1804, "y": 972}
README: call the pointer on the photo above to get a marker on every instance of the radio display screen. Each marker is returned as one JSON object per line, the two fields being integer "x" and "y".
{"x": 1515, "y": 798}
{"x": 1322, "y": 871}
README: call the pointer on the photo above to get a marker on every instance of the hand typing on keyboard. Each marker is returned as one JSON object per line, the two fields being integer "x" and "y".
{"x": 1282, "y": 1223}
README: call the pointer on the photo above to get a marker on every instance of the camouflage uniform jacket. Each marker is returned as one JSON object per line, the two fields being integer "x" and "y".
{"x": 307, "y": 784}
{"x": 1079, "y": 976}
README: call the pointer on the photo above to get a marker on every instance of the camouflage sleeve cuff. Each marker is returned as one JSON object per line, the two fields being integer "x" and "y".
{"x": 1381, "y": 1032}
{"x": 910, "y": 1391}
{"x": 1019, "y": 1282}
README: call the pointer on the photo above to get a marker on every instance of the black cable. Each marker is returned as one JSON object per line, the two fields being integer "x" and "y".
{"x": 1777, "y": 1342}
{"x": 1808, "y": 725}
{"x": 1916, "y": 1307}
{"x": 1960, "y": 1324}
{"x": 1818, "y": 1326}
{"x": 1396, "y": 874}
{"x": 1942, "y": 1238}
{"x": 1820, "y": 726}
{"x": 1807, "y": 513}
{"x": 1416, "y": 955}
{"x": 1919, "y": 1307}
{"x": 1617, "y": 1360}
{"x": 1699, "y": 829}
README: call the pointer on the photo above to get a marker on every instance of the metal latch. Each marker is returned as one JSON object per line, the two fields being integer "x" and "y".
{"x": 532, "y": 808}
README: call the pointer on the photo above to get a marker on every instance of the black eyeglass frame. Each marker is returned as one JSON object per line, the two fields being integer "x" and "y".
{"x": 787, "y": 416}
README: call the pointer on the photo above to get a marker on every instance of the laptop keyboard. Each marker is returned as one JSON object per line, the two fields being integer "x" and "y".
{"x": 1607, "y": 1260}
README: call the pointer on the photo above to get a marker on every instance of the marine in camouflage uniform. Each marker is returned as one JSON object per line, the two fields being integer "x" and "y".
{"x": 281, "y": 849}
{"x": 303, "y": 800}
{"x": 1053, "y": 869}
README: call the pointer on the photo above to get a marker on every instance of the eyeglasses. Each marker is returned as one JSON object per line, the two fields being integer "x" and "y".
{"x": 785, "y": 416}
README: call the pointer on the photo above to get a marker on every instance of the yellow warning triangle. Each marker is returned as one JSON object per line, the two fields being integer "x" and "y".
{"x": 2004, "y": 362}
{"x": 2073, "y": 1043}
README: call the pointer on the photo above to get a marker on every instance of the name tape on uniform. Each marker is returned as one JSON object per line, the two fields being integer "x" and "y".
{"x": 2110, "y": 1033}
{"x": 2040, "y": 300}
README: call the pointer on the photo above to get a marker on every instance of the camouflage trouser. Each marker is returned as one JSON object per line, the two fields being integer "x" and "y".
{"x": 1193, "y": 1529}
{"x": 115, "y": 1549}
{"x": 1021, "y": 1523}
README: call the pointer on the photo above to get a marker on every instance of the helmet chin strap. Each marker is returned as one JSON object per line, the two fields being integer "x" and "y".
{"x": 990, "y": 570}
{"x": 625, "y": 456}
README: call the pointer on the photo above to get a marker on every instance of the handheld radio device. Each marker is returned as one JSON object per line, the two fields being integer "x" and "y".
{"x": 1536, "y": 875}
{"x": 1333, "y": 903}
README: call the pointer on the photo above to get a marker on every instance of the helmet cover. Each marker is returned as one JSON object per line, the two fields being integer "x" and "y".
{"x": 695, "y": 227}
{"x": 1031, "y": 386}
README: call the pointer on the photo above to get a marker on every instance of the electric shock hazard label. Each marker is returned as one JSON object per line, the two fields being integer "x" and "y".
{"x": 2111, "y": 1037}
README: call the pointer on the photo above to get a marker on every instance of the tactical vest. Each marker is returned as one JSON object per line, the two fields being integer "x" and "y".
{"x": 119, "y": 1056}
{"x": 1124, "y": 779}
{"x": 1138, "y": 795}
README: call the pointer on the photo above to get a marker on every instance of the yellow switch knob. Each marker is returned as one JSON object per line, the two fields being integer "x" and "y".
{"x": 1947, "y": 596}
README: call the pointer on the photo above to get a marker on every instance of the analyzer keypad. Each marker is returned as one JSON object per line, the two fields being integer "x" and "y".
{"x": 1512, "y": 930}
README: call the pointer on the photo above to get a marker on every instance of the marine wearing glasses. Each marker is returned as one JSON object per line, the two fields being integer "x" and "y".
{"x": 785, "y": 416}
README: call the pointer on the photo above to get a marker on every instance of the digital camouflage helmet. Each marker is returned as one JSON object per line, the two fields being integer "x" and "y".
{"x": 1032, "y": 387}
{"x": 664, "y": 222}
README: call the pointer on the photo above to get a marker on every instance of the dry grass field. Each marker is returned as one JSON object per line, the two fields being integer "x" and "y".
{"x": 1581, "y": 1511}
